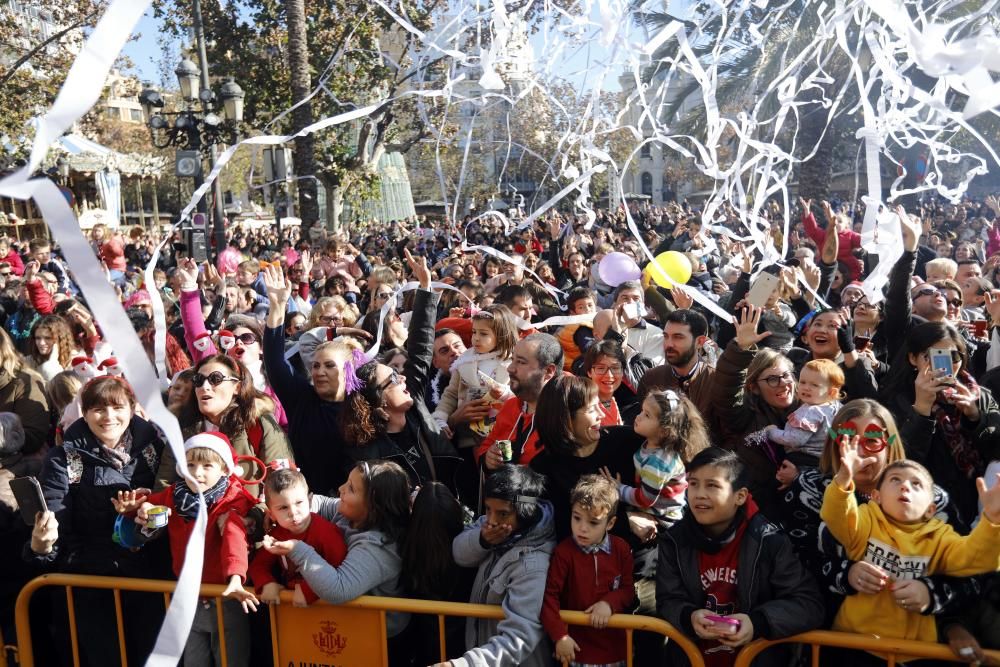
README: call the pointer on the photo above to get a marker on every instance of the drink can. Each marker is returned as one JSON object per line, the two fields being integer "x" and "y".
{"x": 156, "y": 517}
{"x": 506, "y": 450}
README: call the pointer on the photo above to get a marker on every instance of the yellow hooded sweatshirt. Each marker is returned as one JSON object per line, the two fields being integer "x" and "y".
{"x": 905, "y": 551}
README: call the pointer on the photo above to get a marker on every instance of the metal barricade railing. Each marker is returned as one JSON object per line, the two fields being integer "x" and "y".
{"x": 441, "y": 610}
{"x": 891, "y": 648}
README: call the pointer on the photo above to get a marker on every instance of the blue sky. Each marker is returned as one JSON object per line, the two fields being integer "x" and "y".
{"x": 144, "y": 51}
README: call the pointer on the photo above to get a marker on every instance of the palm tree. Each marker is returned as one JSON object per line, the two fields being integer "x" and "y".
{"x": 301, "y": 82}
{"x": 747, "y": 69}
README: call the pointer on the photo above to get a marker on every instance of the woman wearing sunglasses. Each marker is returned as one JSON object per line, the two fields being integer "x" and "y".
{"x": 246, "y": 329}
{"x": 378, "y": 418}
{"x": 948, "y": 422}
{"x": 879, "y": 439}
{"x": 226, "y": 400}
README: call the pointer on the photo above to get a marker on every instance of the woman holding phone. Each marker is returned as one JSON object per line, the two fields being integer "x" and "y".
{"x": 947, "y": 422}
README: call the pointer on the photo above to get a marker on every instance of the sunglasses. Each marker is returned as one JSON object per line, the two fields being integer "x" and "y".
{"x": 775, "y": 381}
{"x": 926, "y": 291}
{"x": 393, "y": 380}
{"x": 248, "y": 338}
{"x": 215, "y": 378}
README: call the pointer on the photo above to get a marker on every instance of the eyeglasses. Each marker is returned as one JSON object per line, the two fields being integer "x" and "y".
{"x": 248, "y": 338}
{"x": 215, "y": 378}
{"x": 775, "y": 381}
{"x": 606, "y": 370}
{"x": 393, "y": 380}
{"x": 874, "y": 445}
{"x": 330, "y": 319}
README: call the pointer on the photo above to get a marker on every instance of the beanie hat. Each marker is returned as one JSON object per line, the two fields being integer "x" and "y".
{"x": 218, "y": 443}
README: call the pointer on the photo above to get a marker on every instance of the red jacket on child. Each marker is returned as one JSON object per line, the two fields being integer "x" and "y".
{"x": 577, "y": 580}
{"x": 510, "y": 420}
{"x": 226, "y": 554}
{"x": 321, "y": 535}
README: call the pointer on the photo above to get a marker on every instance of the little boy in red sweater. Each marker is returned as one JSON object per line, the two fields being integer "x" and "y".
{"x": 589, "y": 571}
{"x": 287, "y": 496}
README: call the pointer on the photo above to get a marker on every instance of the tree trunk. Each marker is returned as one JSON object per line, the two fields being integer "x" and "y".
{"x": 335, "y": 206}
{"x": 303, "y": 159}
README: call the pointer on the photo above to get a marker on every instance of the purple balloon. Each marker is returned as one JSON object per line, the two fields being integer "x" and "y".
{"x": 617, "y": 267}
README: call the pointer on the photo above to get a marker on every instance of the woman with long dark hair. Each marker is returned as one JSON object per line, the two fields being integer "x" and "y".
{"x": 947, "y": 422}
{"x": 227, "y": 401}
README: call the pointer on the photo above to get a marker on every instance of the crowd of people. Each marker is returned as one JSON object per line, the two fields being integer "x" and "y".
{"x": 828, "y": 458}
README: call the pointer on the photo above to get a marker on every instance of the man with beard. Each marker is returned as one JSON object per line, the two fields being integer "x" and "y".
{"x": 537, "y": 359}
{"x": 448, "y": 346}
{"x": 684, "y": 332}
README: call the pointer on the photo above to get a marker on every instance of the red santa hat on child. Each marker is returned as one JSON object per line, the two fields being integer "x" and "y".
{"x": 84, "y": 367}
{"x": 202, "y": 341}
{"x": 110, "y": 367}
{"x": 227, "y": 340}
{"x": 218, "y": 443}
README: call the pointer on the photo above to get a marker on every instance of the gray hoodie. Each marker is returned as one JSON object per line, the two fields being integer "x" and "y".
{"x": 514, "y": 578}
{"x": 372, "y": 565}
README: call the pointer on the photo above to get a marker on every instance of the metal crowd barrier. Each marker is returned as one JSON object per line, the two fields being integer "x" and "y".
{"x": 891, "y": 648}
{"x": 24, "y": 654}
{"x": 627, "y": 622}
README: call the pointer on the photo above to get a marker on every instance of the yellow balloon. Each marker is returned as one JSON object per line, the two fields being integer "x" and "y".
{"x": 669, "y": 268}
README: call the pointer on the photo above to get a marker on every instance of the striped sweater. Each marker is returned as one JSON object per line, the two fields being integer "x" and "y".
{"x": 660, "y": 483}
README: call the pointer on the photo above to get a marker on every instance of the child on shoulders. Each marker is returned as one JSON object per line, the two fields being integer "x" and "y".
{"x": 590, "y": 571}
{"x": 287, "y": 496}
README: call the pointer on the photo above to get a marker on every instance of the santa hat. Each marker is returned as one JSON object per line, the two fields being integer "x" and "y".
{"x": 202, "y": 341}
{"x": 110, "y": 367}
{"x": 84, "y": 367}
{"x": 218, "y": 443}
{"x": 227, "y": 340}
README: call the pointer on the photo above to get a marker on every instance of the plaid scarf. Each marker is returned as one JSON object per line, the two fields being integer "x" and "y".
{"x": 119, "y": 456}
{"x": 186, "y": 500}
{"x": 949, "y": 419}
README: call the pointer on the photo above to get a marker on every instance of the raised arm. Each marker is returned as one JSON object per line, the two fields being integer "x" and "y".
{"x": 420, "y": 342}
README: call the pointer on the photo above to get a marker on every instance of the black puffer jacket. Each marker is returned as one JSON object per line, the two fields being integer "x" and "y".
{"x": 774, "y": 589}
{"x": 78, "y": 484}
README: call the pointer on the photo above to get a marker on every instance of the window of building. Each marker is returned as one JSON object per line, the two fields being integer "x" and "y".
{"x": 135, "y": 115}
{"x": 114, "y": 113}
{"x": 646, "y": 150}
{"x": 647, "y": 183}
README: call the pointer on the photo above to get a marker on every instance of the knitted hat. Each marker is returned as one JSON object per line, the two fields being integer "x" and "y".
{"x": 202, "y": 341}
{"x": 227, "y": 339}
{"x": 218, "y": 443}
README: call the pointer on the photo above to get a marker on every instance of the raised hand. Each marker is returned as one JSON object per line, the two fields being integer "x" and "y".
{"x": 845, "y": 333}
{"x": 911, "y": 229}
{"x": 31, "y": 271}
{"x": 188, "y": 272}
{"x": 307, "y": 263}
{"x": 128, "y": 502}
{"x": 213, "y": 277}
{"x": 806, "y": 205}
{"x": 990, "y": 498}
{"x": 419, "y": 269}
{"x": 828, "y": 212}
{"x": 851, "y": 460}
{"x": 746, "y": 328}
{"x": 681, "y": 298}
{"x": 965, "y": 399}
{"x": 279, "y": 290}
{"x": 992, "y": 305}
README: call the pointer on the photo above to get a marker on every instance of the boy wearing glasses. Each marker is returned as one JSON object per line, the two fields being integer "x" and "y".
{"x": 897, "y": 532}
